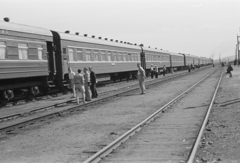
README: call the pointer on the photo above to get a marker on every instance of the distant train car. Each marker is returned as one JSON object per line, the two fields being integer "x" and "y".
{"x": 23, "y": 59}
{"x": 177, "y": 61}
{"x": 157, "y": 58}
{"x": 189, "y": 60}
{"x": 196, "y": 60}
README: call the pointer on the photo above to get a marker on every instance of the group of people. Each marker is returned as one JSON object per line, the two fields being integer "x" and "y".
{"x": 83, "y": 83}
{"x": 154, "y": 71}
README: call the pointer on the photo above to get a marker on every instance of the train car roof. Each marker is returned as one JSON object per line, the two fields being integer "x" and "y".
{"x": 24, "y": 28}
{"x": 72, "y": 37}
{"x": 176, "y": 54}
{"x": 195, "y": 56}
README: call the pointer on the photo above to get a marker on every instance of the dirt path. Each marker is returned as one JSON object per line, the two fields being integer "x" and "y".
{"x": 74, "y": 138}
{"x": 221, "y": 141}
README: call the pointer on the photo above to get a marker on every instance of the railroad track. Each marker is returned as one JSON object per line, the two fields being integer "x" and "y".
{"x": 12, "y": 124}
{"x": 146, "y": 144}
{"x": 54, "y": 93}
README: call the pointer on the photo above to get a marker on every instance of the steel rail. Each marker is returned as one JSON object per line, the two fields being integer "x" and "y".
{"x": 9, "y": 127}
{"x": 200, "y": 133}
{"x": 109, "y": 148}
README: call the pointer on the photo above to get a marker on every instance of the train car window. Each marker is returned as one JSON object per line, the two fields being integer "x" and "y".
{"x": 147, "y": 59}
{"x": 70, "y": 54}
{"x": 132, "y": 57}
{"x": 103, "y": 57}
{"x": 2, "y": 50}
{"x": 96, "y": 55}
{"x": 88, "y": 54}
{"x": 79, "y": 54}
{"x": 109, "y": 56}
{"x": 124, "y": 57}
{"x": 119, "y": 56}
{"x": 40, "y": 52}
{"x": 23, "y": 51}
{"x": 113, "y": 56}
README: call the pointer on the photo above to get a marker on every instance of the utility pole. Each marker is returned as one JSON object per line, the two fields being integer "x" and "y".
{"x": 237, "y": 51}
{"x": 219, "y": 59}
{"x": 236, "y": 59}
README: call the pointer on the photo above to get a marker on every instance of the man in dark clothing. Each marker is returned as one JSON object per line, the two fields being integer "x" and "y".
{"x": 93, "y": 80}
{"x": 152, "y": 71}
{"x": 189, "y": 68}
{"x": 229, "y": 69}
{"x": 164, "y": 70}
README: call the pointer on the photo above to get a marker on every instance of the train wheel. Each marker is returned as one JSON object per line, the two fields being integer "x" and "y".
{"x": 3, "y": 102}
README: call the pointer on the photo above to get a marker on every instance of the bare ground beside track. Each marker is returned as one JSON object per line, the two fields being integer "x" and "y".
{"x": 221, "y": 140}
{"x": 74, "y": 138}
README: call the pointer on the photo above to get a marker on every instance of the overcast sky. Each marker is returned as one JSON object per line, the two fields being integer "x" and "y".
{"x": 197, "y": 27}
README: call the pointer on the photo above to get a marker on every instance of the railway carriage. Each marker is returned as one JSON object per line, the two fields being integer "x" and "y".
{"x": 23, "y": 60}
{"x": 177, "y": 61}
{"x": 34, "y": 59}
{"x": 156, "y": 57}
{"x": 202, "y": 61}
{"x": 109, "y": 59}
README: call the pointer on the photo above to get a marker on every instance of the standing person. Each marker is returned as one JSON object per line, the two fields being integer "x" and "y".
{"x": 189, "y": 68}
{"x": 79, "y": 85}
{"x": 71, "y": 75}
{"x": 152, "y": 71}
{"x": 93, "y": 80}
{"x": 141, "y": 78}
{"x": 229, "y": 69}
{"x": 156, "y": 71}
{"x": 87, "y": 84}
{"x": 164, "y": 70}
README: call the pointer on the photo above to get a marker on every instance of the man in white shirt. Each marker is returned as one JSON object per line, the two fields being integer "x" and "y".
{"x": 79, "y": 85}
{"x": 71, "y": 75}
{"x": 141, "y": 78}
{"x": 152, "y": 71}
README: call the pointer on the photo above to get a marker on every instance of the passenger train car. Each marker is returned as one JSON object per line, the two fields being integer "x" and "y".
{"x": 33, "y": 59}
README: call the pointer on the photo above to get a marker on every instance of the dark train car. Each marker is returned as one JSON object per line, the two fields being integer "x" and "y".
{"x": 23, "y": 59}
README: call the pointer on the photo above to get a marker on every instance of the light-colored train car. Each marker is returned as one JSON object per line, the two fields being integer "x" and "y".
{"x": 177, "y": 60}
{"x": 156, "y": 57}
{"x": 23, "y": 59}
{"x": 189, "y": 60}
{"x": 107, "y": 58}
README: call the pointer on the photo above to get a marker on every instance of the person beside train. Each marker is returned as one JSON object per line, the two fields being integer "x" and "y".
{"x": 164, "y": 70}
{"x": 79, "y": 86}
{"x": 93, "y": 81}
{"x": 189, "y": 68}
{"x": 71, "y": 75}
{"x": 87, "y": 84}
{"x": 141, "y": 77}
{"x": 152, "y": 71}
{"x": 156, "y": 71}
